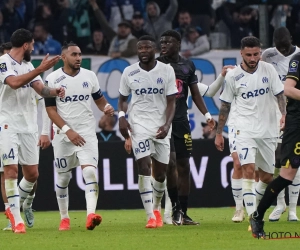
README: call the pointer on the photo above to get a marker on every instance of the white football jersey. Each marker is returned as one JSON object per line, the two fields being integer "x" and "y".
{"x": 279, "y": 61}
{"x": 148, "y": 89}
{"x": 75, "y": 108}
{"x": 17, "y": 107}
{"x": 253, "y": 93}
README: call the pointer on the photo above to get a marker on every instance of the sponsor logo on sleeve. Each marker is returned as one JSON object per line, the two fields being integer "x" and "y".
{"x": 3, "y": 67}
{"x": 293, "y": 66}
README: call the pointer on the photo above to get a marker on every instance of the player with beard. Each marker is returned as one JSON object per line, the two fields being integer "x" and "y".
{"x": 153, "y": 89}
{"x": 181, "y": 141}
{"x": 252, "y": 87}
{"x": 75, "y": 142}
{"x": 19, "y": 130}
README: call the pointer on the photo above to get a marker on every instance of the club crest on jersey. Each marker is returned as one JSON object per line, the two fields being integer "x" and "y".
{"x": 239, "y": 77}
{"x": 3, "y": 67}
{"x": 85, "y": 84}
{"x": 59, "y": 79}
{"x": 293, "y": 66}
{"x": 265, "y": 80}
{"x": 159, "y": 80}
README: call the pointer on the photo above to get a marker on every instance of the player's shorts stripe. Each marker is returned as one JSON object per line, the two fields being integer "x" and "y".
{"x": 24, "y": 190}
{"x": 237, "y": 189}
{"x": 224, "y": 101}
{"x": 13, "y": 196}
{"x": 289, "y": 76}
{"x": 148, "y": 192}
{"x": 287, "y": 164}
{"x": 91, "y": 183}
{"x": 158, "y": 190}
{"x": 61, "y": 187}
{"x": 258, "y": 192}
{"x": 279, "y": 93}
{"x": 248, "y": 194}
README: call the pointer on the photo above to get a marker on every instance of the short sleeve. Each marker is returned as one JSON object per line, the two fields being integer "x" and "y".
{"x": 264, "y": 56}
{"x": 293, "y": 70}
{"x": 124, "y": 86}
{"x": 6, "y": 69}
{"x": 171, "y": 84}
{"x": 228, "y": 91}
{"x": 202, "y": 88}
{"x": 37, "y": 78}
{"x": 276, "y": 84}
{"x": 95, "y": 83}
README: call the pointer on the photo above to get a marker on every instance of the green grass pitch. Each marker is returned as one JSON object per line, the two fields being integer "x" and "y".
{"x": 124, "y": 229}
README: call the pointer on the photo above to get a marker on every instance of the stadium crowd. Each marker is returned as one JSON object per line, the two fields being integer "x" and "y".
{"x": 110, "y": 27}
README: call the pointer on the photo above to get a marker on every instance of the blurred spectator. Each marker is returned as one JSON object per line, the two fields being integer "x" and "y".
{"x": 43, "y": 41}
{"x": 293, "y": 23}
{"x": 207, "y": 133}
{"x": 14, "y": 15}
{"x": 63, "y": 17}
{"x": 202, "y": 13}
{"x": 137, "y": 22}
{"x": 43, "y": 14}
{"x": 155, "y": 22}
{"x": 99, "y": 46}
{"x": 118, "y": 10}
{"x": 194, "y": 42}
{"x": 184, "y": 21}
{"x": 81, "y": 23}
{"x": 241, "y": 26}
{"x": 124, "y": 43}
{"x": 107, "y": 124}
{"x": 5, "y": 48}
{"x": 4, "y": 36}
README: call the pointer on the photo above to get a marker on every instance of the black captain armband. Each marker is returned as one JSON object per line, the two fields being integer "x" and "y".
{"x": 97, "y": 95}
{"x": 50, "y": 101}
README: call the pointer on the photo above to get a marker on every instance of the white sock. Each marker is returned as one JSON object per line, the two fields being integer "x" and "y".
{"x": 25, "y": 187}
{"x": 158, "y": 193}
{"x": 91, "y": 189}
{"x": 168, "y": 203}
{"x": 237, "y": 191}
{"x": 28, "y": 201}
{"x": 12, "y": 194}
{"x": 294, "y": 192}
{"x": 281, "y": 199}
{"x": 6, "y": 205}
{"x": 145, "y": 189}
{"x": 62, "y": 193}
{"x": 260, "y": 190}
{"x": 152, "y": 181}
{"x": 249, "y": 195}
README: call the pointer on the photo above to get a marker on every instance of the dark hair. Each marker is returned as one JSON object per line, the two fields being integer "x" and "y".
{"x": 5, "y": 46}
{"x": 250, "y": 41}
{"x": 21, "y": 36}
{"x": 66, "y": 45}
{"x": 44, "y": 26}
{"x": 172, "y": 33}
{"x": 147, "y": 38}
{"x": 281, "y": 33}
{"x": 183, "y": 12}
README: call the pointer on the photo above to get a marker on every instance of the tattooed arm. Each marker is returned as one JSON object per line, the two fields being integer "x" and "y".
{"x": 282, "y": 107}
{"x": 45, "y": 91}
{"x": 223, "y": 116}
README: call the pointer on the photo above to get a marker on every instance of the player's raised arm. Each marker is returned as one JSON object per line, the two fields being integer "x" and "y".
{"x": 16, "y": 82}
